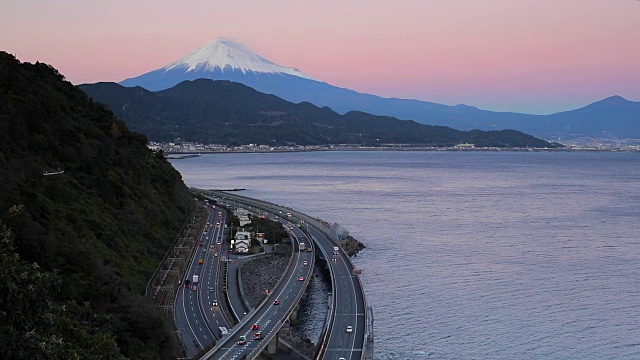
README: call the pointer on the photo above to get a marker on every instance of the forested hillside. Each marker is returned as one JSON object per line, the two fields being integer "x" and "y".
{"x": 223, "y": 112}
{"x": 86, "y": 213}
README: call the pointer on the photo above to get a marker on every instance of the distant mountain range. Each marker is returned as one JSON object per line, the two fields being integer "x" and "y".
{"x": 223, "y": 59}
{"x": 224, "y": 112}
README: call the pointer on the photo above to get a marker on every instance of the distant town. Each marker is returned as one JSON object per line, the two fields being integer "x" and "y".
{"x": 580, "y": 144}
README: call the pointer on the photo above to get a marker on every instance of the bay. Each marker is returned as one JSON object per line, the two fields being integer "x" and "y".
{"x": 472, "y": 255}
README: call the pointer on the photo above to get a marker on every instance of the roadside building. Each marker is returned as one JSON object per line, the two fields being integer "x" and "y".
{"x": 242, "y": 242}
{"x": 244, "y": 220}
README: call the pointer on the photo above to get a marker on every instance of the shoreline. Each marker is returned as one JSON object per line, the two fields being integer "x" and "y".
{"x": 198, "y": 153}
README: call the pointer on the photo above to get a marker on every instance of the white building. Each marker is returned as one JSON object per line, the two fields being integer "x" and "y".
{"x": 242, "y": 242}
{"x": 244, "y": 220}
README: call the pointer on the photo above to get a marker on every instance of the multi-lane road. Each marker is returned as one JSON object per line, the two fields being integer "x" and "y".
{"x": 199, "y": 320}
{"x": 197, "y": 314}
{"x": 268, "y": 317}
{"x": 348, "y": 306}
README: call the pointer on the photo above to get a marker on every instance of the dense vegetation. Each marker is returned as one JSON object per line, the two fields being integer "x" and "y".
{"x": 223, "y": 112}
{"x": 78, "y": 247}
{"x": 273, "y": 230}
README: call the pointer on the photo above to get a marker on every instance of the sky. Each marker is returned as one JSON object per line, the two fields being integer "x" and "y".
{"x": 533, "y": 56}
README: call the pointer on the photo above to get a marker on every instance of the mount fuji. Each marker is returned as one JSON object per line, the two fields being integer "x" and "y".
{"x": 223, "y": 59}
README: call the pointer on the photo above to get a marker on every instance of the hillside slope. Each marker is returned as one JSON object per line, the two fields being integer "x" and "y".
{"x": 95, "y": 230}
{"x": 226, "y": 112}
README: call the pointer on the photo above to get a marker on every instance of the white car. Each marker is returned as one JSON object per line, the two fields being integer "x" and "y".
{"x": 349, "y": 329}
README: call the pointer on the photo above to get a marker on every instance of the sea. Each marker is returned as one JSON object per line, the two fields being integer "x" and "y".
{"x": 471, "y": 255}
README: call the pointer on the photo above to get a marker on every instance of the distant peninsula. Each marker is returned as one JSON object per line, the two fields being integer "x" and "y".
{"x": 229, "y": 113}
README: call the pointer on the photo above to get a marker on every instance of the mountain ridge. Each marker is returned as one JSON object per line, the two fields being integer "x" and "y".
{"x": 463, "y": 117}
{"x": 223, "y": 112}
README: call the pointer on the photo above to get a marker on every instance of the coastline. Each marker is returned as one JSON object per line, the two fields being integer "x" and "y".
{"x": 260, "y": 151}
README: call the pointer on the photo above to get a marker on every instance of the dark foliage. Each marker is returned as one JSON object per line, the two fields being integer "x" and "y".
{"x": 273, "y": 230}
{"x": 224, "y": 112}
{"x": 96, "y": 230}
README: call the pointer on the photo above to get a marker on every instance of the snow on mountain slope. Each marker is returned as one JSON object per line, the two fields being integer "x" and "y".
{"x": 223, "y": 54}
{"x": 223, "y": 59}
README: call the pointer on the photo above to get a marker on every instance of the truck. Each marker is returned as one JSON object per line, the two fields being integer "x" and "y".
{"x": 302, "y": 246}
{"x": 336, "y": 250}
{"x": 222, "y": 331}
{"x": 195, "y": 279}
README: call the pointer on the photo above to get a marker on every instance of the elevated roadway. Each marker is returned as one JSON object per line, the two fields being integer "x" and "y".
{"x": 348, "y": 305}
{"x": 272, "y": 313}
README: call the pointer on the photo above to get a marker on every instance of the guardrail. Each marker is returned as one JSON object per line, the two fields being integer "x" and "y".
{"x": 169, "y": 250}
{"x": 323, "y": 227}
{"x": 250, "y": 314}
{"x": 264, "y": 344}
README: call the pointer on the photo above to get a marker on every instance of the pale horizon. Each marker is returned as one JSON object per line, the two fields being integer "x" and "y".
{"x": 535, "y": 57}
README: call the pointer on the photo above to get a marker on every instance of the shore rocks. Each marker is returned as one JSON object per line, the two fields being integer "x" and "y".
{"x": 263, "y": 273}
{"x": 352, "y": 246}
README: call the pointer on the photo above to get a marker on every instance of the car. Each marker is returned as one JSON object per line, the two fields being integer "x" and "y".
{"x": 277, "y": 302}
{"x": 301, "y": 278}
{"x": 255, "y": 327}
{"x": 200, "y": 261}
{"x": 218, "y": 223}
{"x": 204, "y": 250}
{"x": 194, "y": 287}
{"x": 257, "y": 336}
{"x": 214, "y": 303}
{"x": 242, "y": 340}
{"x": 211, "y": 289}
{"x": 215, "y": 254}
{"x": 218, "y": 243}
{"x": 349, "y": 329}
{"x": 304, "y": 263}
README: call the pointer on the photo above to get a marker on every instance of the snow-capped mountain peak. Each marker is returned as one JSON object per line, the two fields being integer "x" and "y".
{"x": 228, "y": 55}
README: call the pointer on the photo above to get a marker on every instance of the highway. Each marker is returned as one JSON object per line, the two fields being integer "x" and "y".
{"x": 348, "y": 305}
{"x": 197, "y": 320}
{"x": 269, "y": 315}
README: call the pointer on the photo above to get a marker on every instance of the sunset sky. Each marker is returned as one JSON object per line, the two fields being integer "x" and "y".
{"x": 535, "y": 56}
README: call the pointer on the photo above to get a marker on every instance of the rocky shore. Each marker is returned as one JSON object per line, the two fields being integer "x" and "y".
{"x": 263, "y": 273}
{"x": 352, "y": 246}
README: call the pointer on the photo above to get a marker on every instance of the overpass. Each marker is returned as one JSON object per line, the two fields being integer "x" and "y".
{"x": 272, "y": 313}
{"x": 348, "y": 306}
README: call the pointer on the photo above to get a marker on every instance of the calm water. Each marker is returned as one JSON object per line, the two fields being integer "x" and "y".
{"x": 473, "y": 255}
